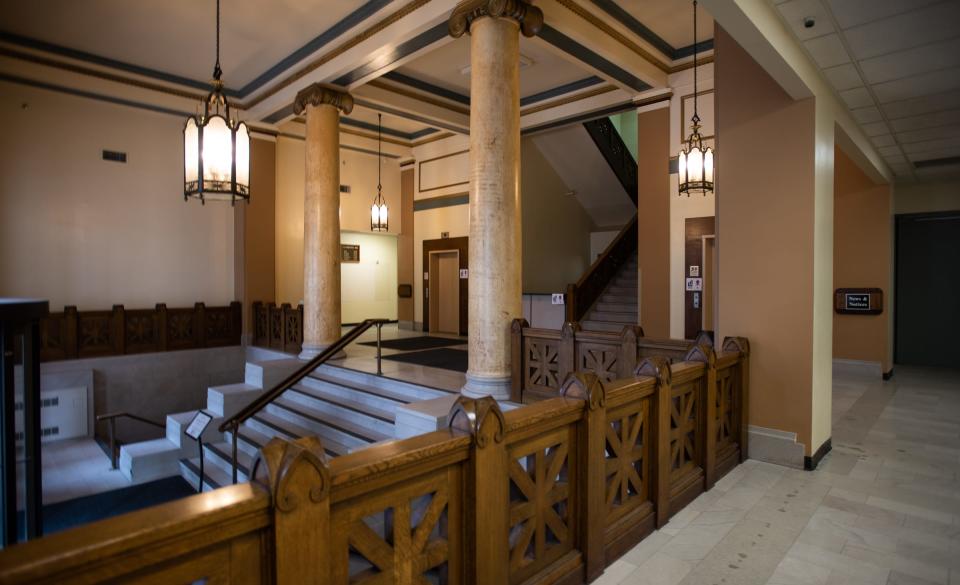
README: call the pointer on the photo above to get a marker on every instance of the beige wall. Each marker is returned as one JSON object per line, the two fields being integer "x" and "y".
{"x": 766, "y": 237}
{"x": 258, "y": 220}
{"x": 653, "y": 221}
{"x": 556, "y": 229}
{"x": 862, "y": 259}
{"x": 78, "y": 230}
{"x": 369, "y": 287}
{"x": 359, "y": 171}
{"x": 927, "y": 196}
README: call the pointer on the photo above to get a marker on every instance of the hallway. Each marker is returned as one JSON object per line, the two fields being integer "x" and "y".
{"x": 882, "y": 508}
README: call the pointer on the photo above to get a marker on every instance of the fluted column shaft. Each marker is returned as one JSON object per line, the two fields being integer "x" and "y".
{"x": 321, "y": 216}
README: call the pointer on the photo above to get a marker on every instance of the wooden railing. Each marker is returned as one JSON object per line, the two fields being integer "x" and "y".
{"x": 75, "y": 335}
{"x": 582, "y": 294}
{"x": 278, "y": 328}
{"x": 552, "y": 492}
{"x": 543, "y": 358}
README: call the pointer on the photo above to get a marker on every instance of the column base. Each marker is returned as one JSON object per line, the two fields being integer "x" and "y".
{"x": 497, "y": 387}
{"x": 308, "y": 351}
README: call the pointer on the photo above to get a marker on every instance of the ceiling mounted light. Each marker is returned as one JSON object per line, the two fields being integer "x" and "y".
{"x": 216, "y": 148}
{"x": 696, "y": 161}
{"x": 378, "y": 211}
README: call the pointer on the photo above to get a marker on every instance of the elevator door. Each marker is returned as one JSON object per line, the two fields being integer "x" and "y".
{"x": 927, "y": 290}
{"x": 445, "y": 286}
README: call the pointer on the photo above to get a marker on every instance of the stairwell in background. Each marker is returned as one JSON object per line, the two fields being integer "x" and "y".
{"x": 617, "y": 306}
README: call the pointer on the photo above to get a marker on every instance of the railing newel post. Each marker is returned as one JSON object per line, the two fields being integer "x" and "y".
{"x": 516, "y": 359}
{"x": 659, "y": 368}
{"x": 567, "y": 360}
{"x": 742, "y": 345}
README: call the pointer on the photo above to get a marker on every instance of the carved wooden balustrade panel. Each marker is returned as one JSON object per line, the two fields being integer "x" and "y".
{"x": 687, "y": 427}
{"x": 542, "y": 525}
{"x": 541, "y": 366}
{"x": 278, "y": 327}
{"x": 405, "y": 535}
{"x": 627, "y": 459}
{"x": 599, "y": 358}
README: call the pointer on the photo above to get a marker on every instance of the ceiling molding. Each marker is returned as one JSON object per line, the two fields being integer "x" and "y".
{"x": 568, "y": 100}
{"x": 403, "y": 50}
{"x": 427, "y": 87}
{"x": 595, "y": 61}
{"x": 560, "y": 90}
{"x": 417, "y": 96}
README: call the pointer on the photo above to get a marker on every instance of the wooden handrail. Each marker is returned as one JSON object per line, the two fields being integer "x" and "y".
{"x": 582, "y": 294}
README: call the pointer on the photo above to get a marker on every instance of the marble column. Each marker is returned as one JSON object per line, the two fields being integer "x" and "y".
{"x": 495, "y": 289}
{"x": 321, "y": 105}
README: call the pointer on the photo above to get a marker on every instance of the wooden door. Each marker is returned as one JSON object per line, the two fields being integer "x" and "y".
{"x": 445, "y": 287}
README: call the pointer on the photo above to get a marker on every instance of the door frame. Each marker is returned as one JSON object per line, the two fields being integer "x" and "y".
{"x": 695, "y": 228}
{"x": 445, "y": 244}
{"x": 431, "y": 256}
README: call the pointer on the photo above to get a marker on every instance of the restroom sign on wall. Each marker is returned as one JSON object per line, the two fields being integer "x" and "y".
{"x": 694, "y": 284}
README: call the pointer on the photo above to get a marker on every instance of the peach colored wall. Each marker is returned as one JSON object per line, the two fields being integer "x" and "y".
{"x": 861, "y": 258}
{"x": 653, "y": 220}
{"x": 765, "y": 195}
{"x": 259, "y": 241}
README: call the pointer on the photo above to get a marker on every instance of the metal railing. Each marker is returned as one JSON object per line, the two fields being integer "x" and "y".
{"x": 233, "y": 423}
{"x": 111, "y": 418}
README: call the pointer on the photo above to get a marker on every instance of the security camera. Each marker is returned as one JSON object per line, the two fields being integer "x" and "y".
{"x": 809, "y": 22}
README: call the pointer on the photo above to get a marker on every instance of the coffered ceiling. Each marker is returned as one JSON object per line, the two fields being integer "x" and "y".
{"x": 896, "y": 65}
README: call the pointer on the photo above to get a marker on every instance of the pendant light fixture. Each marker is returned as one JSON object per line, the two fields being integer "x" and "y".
{"x": 378, "y": 211}
{"x": 216, "y": 148}
{"x": 696, "y": 161}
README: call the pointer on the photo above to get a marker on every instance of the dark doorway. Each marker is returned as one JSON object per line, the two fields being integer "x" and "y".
{"x": 927, "y": 293}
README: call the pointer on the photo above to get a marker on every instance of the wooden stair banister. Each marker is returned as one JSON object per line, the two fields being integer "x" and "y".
{"x": 582, "y": 294}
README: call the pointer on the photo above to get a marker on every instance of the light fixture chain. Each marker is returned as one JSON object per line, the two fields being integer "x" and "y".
{"x": 216, "y": 68}
{"x": 379, "y": 155}
{"x": 695, "y": 115}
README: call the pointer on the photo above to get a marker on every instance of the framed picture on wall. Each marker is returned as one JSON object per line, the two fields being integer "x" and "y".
{"x": 349, "y": 253}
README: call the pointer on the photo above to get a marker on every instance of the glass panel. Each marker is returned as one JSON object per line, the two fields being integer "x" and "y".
{"x": 626, "y": 125}
{"x": 217, "y": 155}
{"x": 191, "y": 161}
{"x": 243, "y": 160}
{"x": 708, "y": 166}
{"x": 683, "y": 167}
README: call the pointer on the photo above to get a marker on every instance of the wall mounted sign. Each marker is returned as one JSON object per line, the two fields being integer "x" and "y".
{"x": 694, "y": 271}
{"x": 694, "y": 284}
{"x": 350, "y": 253}
{"x": 858, "y": 301}
{"x": 464, "y": 273}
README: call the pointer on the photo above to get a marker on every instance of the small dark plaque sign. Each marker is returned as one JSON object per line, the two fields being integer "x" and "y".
{"x": 858, "y": 301}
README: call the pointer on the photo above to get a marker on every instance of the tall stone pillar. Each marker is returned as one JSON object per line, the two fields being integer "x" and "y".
{"x": 495, "y": 242}
{"x": 322, "y": 105}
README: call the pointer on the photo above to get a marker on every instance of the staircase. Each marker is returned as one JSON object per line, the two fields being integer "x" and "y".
{"x": 617, "y": 305}
{"x": 347, "y": 409}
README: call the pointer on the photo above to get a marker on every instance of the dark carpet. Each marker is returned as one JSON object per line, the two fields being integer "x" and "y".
{"x": 71, "y": 513}
{"x": 415, "y": 343}
{"x": 445, "y": 358}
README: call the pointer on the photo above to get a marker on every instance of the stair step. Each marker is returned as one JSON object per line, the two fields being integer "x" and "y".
{"x": 220, "y": 455}
{"x": 602, "y": 326}
{"x": 344, "y": 409}
{"x": 324, "y": 426}
{"x": 250, "y": 440}
{"x": 617, "y": 298}
{"x": 267, "y": 422}
{"x": 616, "y": 307}
{"x": 621, "y": 290}
{"x": 384, "y": 400}
{"x": 372, "y": 383}
{"x": 618, "y": 317}
{"x": 213, "y": 477}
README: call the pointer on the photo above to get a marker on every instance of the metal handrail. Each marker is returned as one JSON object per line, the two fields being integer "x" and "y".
{"x": 111, "y": 418}
{"x": 233, "y": 423}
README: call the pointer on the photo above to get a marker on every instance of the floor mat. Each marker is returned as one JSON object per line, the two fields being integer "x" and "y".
{"x": 445, "y": 358}
{"x": 415, "y": 343}
{"x": 71, "y": 513}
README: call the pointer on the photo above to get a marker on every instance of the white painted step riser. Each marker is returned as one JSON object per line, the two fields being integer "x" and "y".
{"x": 224, "y": 465}
{"x": 241, "y": 444}
{"x": 267, "y": 430}
{"x": 412, "y": 391}
{"x": 191, "y": 478}
{"x": 228, "y": 399}
{"x": 366, "y": 398}
{"x": 149, "y": 467}
{"x": 341, "y": 413}
{"x": 321, "y": 430}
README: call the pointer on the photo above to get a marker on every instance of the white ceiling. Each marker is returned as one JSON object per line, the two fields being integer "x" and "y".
{"x": 896, "y": 64}
{"x": 445, "y": 67}
{"x": 671, "y": 20}
{"x": 178, "y": 36}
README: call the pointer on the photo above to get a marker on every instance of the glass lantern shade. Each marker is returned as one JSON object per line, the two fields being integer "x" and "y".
{"x": 216, "y": 163}
{"x": 696, "y": 166}
{"x": 378, "y": 215}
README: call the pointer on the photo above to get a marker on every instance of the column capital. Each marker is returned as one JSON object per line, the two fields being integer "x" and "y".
{"x": 321, "y": 93}
{"x": 529, "y": 16}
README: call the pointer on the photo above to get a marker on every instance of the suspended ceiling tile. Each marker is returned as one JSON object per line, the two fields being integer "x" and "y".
{"x": 935, "y": 133}
{"x": 851, "y": 13}
{"x": 932, "y": 146}
{"x": 919, "y": 85}
{"x": 896, "y": 159}
{"x": 933, "y": 57}
{"x": 888, "y": 151}
{"x": 926, "y": 121}
{"x": 843, "y": 77}
{"x": 882, "y": 140}
{"x": 795, "y": 11}
{"x": 875, "y": 128}
{"x": 922, "y": 105}
{"x": 857, "y": 98}
{"x": 919, "y": 27}
{"x": 868, "y": 114}
{"x": 827, "y": 51}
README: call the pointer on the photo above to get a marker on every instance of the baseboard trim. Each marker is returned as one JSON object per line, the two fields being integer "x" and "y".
{"x": 811, "y": 463}
{"x": 858, "y": 367}
{"x": 775, "y": 446}
{"x": 888, "y": 375}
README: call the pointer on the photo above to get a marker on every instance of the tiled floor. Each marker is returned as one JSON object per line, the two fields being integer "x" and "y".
{"x": 883, "y": 507}
{"x": 75, "y": 468}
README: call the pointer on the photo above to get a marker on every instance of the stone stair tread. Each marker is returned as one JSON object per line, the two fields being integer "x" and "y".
{"x": 294, "y": 431}
{"x": 358, "y": 407}
{"x": 224, "y": 450}
{"x": 213, "y": 476}
{"x": 252, "y": 437}
{"x": 325, "y": 419}
{"x": 236, "y": 388}
{"x": 360, "y": 387}
{"x": 626, "y": 318}
{"x": 602, "y": 326}
{"x": 150, "y": 447}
